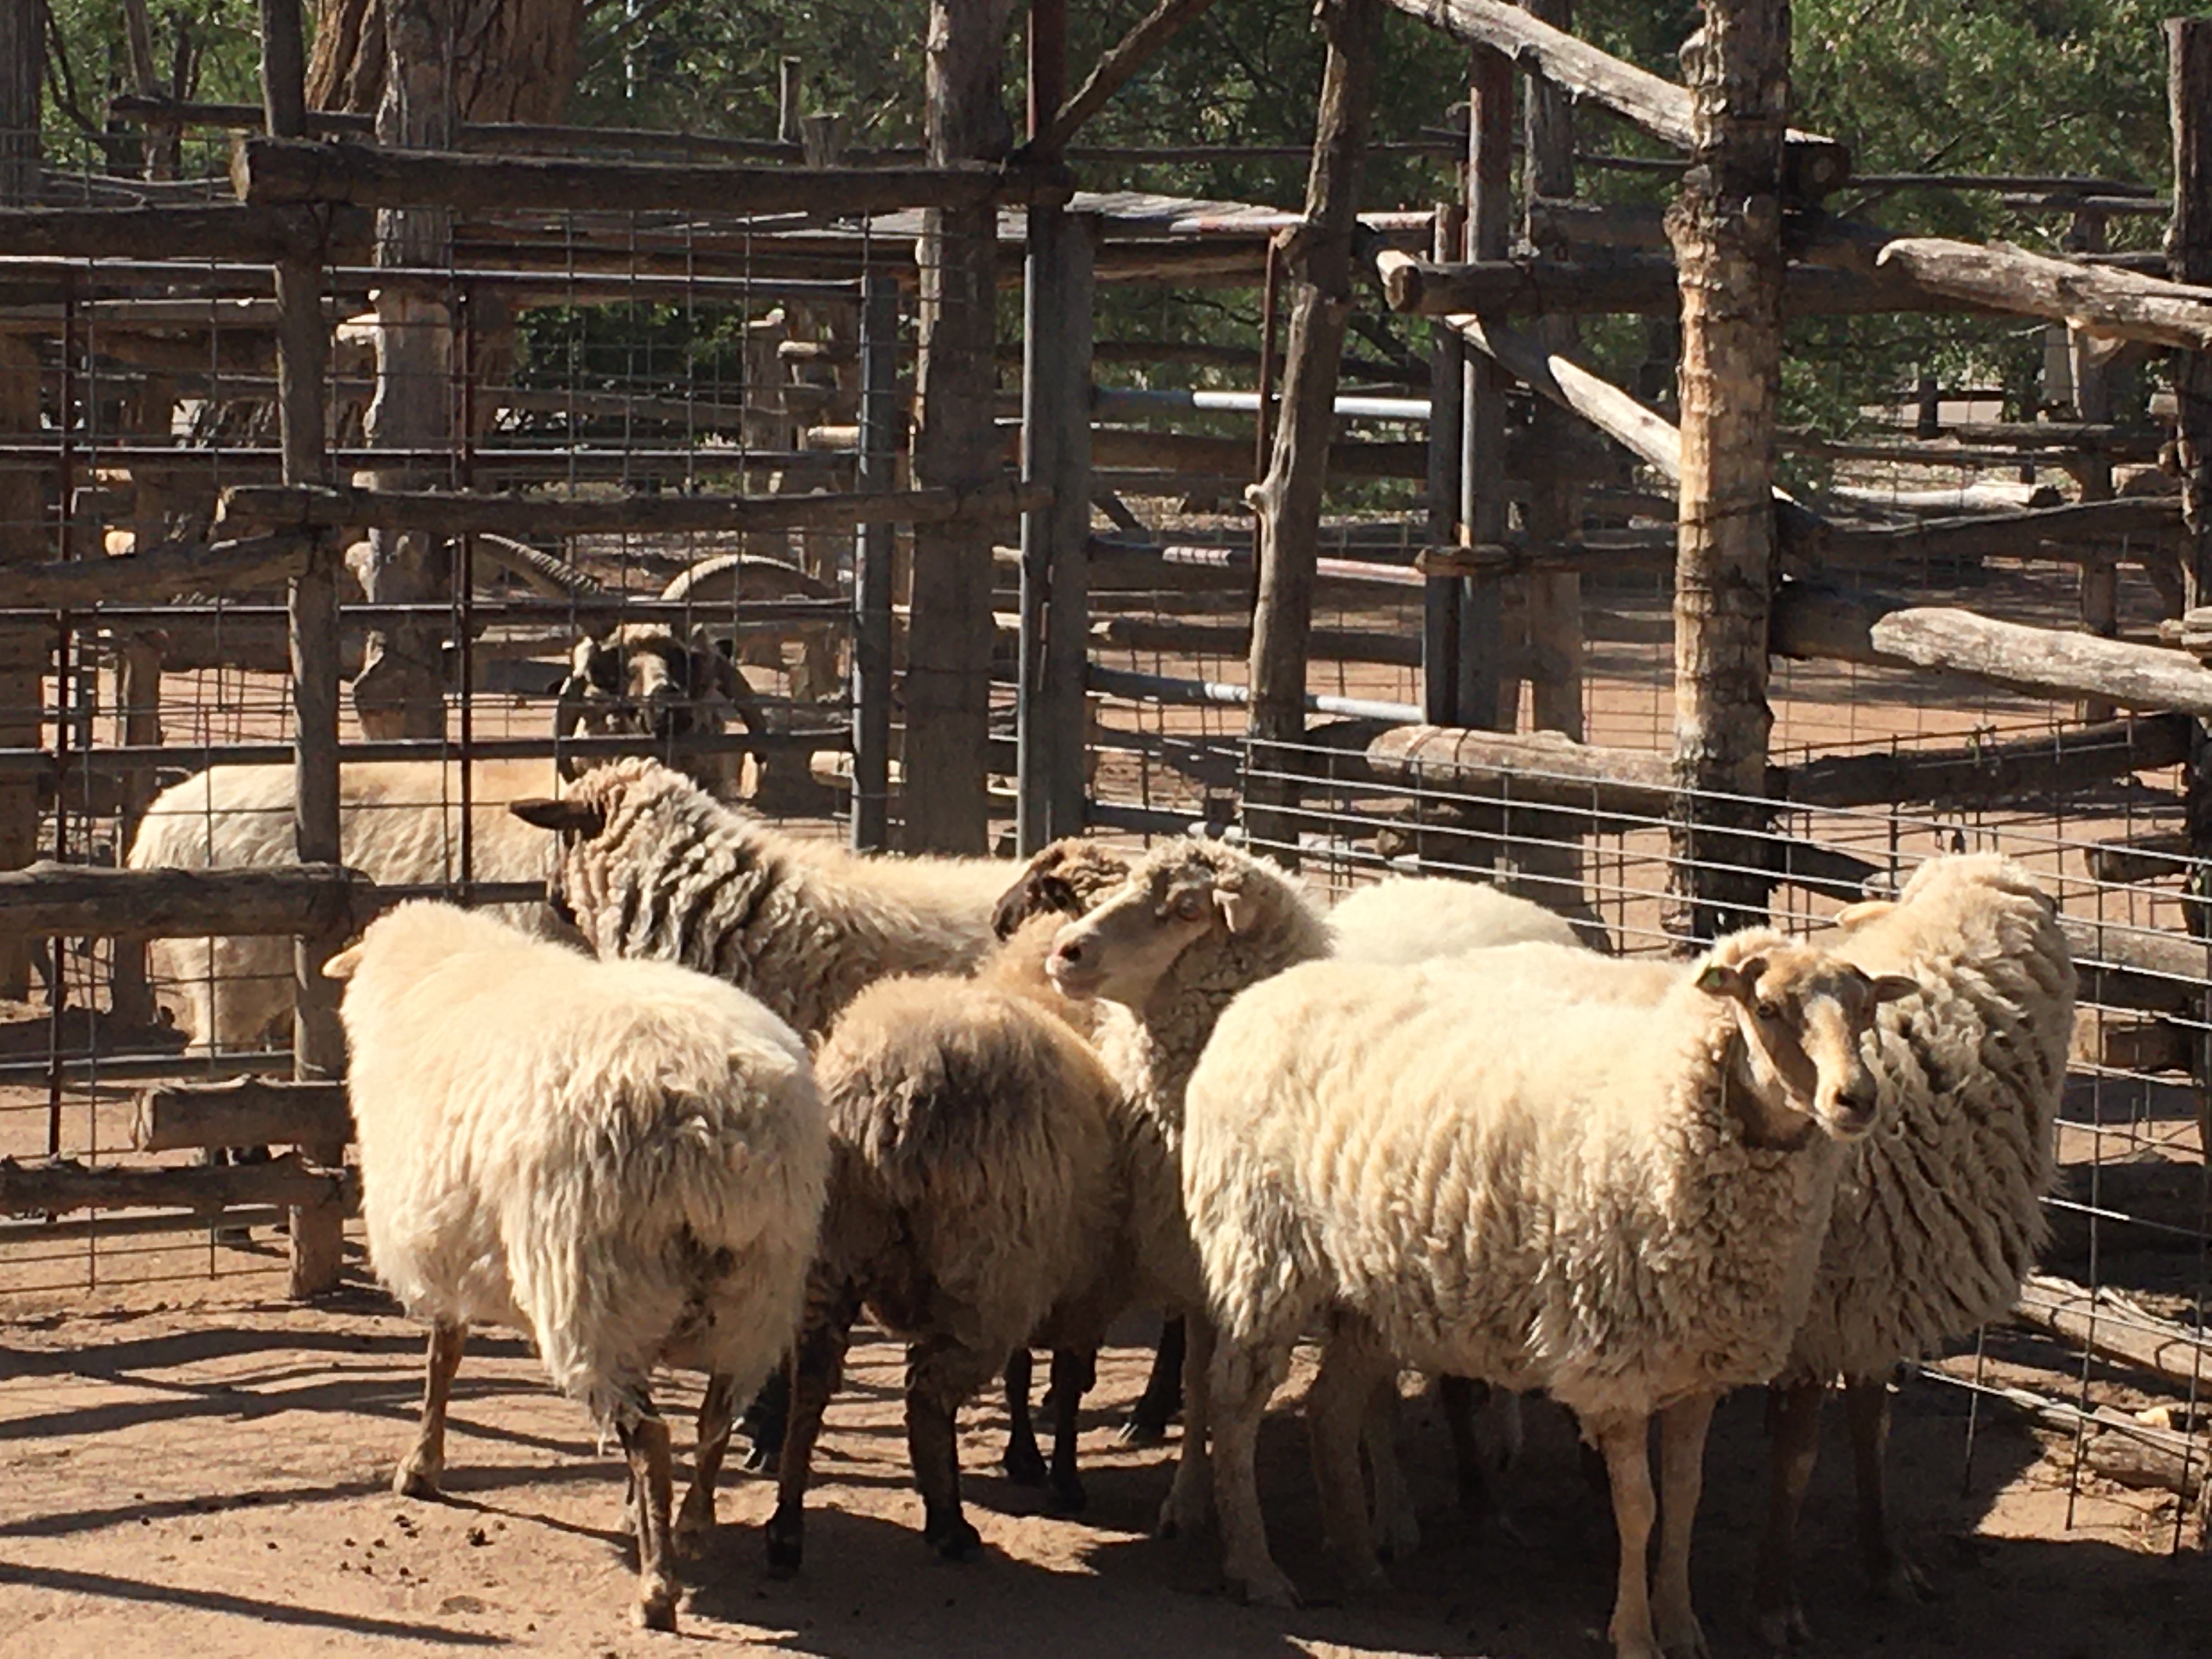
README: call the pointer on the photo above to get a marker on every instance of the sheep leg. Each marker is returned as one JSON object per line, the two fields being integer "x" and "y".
{"x": 1682, "y": 1428}
{"x": 1191, "y": 1496}
{"x": 1163, "y": 1388}
{"x": 1895, "y": 1575}
{"x": 1073, "y": 1371}
{"x": 1625, "y": 1441}
{"x": 1339, "y": 1407}
{"x": 1794, "y": 1425}
{"x": 940, "y": 1375}
{"x": 420, "y": 1471}
{"x": 814, "y": 1369}
{"x": 1241, "y": 1382}
{"x": 1457, "y": 1395}
{"x": 764, "y": 1421}
{"x": 652, "y": 1474}
{"x": 1024, "y": 1462}
{"x": 1397, "y": 1529}
{"x": 717, "y": 1412}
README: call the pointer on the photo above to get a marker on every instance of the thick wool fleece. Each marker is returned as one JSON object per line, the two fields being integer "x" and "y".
{"x": 1508, "y": 1185}
{"x": 625, "y": 1159}
{"x": 1408, "y": 919}
{"x": 1940, "y": 1214}
{"x": 399, "y": 822}
{"x": 675, "y": 876}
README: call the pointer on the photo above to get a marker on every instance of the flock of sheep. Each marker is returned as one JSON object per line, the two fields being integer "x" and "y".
{"x": 997, "y": 1106}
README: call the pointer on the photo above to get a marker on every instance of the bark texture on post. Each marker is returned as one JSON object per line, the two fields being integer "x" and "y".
{"x": 23, "y": 539}
{"x": 401, "y": 690}
{"x": 1287, "y": 501}
{"x": 2188, "y": 260}
{"x": 515, "y": 60}
{"x": 1485, "y": 697}
{"x": 1726, "y": 227}
{"x": 956, "y": 445}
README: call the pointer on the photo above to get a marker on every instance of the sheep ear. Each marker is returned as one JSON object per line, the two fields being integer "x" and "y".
{"x": 568, "y": 814}
{"x": 1866, "y": 910}
{"x": 1239, "y": 909}
{"x": 342, "y": 966}
{"x": 1895, "y": 987}
{"x": 1719, "y": 980}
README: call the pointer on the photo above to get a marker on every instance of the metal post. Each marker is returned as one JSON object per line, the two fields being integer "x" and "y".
{"x": 871, "y": 570}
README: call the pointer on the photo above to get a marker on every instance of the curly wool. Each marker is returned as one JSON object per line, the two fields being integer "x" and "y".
{"x": 627, "y": 1160}
{"x": 675, "y": 876}
{"x": 1939, "y": 1216}
{"x": 1558, "y": 1195}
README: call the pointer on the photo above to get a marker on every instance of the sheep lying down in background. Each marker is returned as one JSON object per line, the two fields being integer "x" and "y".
{"x": 1622, "y": 1204}
{"x": 626, "y": 1160}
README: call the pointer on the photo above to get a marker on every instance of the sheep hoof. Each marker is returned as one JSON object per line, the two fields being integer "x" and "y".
{"x": 1683, "y": 1637}
{"x": 1265, "y": 1588}
{"x": 763, "y": 1459}
{"x": 786, "y": 1542}
{"x": 1903, "y": 1583}
{"x": 1784, "y": 1627}
{"x": 417, "y": 1478}
{"x": 1143, "y": 1429}
{"x": 656, "y": 1607}
{"x": 1024, "y": 1464}
{"x": 695, "y": 1524}
{"x": 1066, "y": 1495}
{"x": 952, "y": 1537}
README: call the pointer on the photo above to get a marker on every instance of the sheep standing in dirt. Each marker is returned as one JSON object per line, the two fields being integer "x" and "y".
{"x": 976, "y": 1205}
{"x": 1940, "y": 1215}
{"x": 1622, "y": 1204}
{"x": 626, "y": 1160}
{"x": 1194, "y": 924}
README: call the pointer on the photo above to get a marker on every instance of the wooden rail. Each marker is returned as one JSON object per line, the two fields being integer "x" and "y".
{"x": 79, "y": 900}
{"x": 58, "y": 1186}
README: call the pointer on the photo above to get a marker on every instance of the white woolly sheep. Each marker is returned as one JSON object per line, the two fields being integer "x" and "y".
{"x": 976, "y": 1205}
{"x": 1196, "y": 923}
{"x": 626, "y": 1160}
{"x": 1408, "y": 919}
{"x": 399, "y": 822}
{"x": 1939, "y": 1216}
{"x": 1622, "y": 1204}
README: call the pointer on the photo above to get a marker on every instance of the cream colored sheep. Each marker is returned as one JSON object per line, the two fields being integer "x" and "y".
{"x": 1408, "y": 919}
{"x": 977, "y": 1204}
{"x": 626, "y": 1160}
{"x": 1194, "y": 924}
{"x": 1622, "y": 1204}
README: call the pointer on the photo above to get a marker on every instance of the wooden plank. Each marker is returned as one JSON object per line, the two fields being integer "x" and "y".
{"x": 80, "y": 899}
{"x": 245, "y": 1112}
{"x": 2120, "y": 304}
{"x": 1543, "y": 768}
{"x": 2111, "y": 1326}
{"x": 1663, "y": 109}
{"x": 171, "y": 571}
{"x": 1287, "y": 501}
{"x": 446, "y": 513}
{"x": 2045, "y": 660}
{"x": 278, "y": 172}
{"x": 228, "y": 231}
{"x": 1984, "y": 774}
{"x": 58, "y": 1186}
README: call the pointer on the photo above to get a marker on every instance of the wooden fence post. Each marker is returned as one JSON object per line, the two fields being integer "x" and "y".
{"x": 872, "y": 568}
{"x": 1440, "y": 595}
{"x": 1726, "y": 227}
{"x": 956, "y": 445}
{"x": 1487, "y": 697}
{"x": 1287, "y": 501}
{"x": 2188, "y": 260}
{"x": 303, "y": 356}
{"x": 23, "y": 539}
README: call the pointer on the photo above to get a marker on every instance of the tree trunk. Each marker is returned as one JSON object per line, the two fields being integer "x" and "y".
{"x": 1287, "y": 501}
{"x": 956, "y": 445}
{"x": 514, "y": 60}
{"x": 1727, "y": 230}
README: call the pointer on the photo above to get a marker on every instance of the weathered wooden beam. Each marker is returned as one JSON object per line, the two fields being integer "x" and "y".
{"x": 1231, "y": 458}
{"x": 170, "y": 571}
{"x": 1542, "y": 768}
{"x": 2137, "y": 858}
{"x": 58, "y": 1186}
{"x": 2149, "y": 971}
{"x": 2046, "y": 661}
{"x": 277, "y": 171}
{"x": 1121, "y": 61}
{"x": 1984, "y": 774}
{"x": 1635, "y": 283}
{"x": 1815, "y": 165}
{"x": 2096, "y": 298}
{"x": 2108, "y": 1324}
{"x": 1234, "y": 640}
{"x": 229, "y": 231}
{"x": 441, "y": 512}
{"x": 79, "y": 899}
{"x": 245, "y": 1112}
{"x": 2152, "y": 520}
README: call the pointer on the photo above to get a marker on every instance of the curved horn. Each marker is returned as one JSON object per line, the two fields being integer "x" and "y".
{"x": 541, "y": 572}
{"x": 749, "y": 575}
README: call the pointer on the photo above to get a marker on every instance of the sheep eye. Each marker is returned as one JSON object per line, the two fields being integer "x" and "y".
{"x": 1768, "y": 1011}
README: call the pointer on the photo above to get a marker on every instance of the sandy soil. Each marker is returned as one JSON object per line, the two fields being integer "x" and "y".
{"x": 210, "y": 1478}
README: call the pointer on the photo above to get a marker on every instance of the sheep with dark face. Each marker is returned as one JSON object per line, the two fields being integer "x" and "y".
{"x": 640, "y": 679}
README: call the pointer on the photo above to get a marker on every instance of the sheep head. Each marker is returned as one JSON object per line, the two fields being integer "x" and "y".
{"x": 1064, "y": 878}
{"x": 1802, "y": 1014}
{"x": 640, "y": 680}
{"x": 1183, "y": 891}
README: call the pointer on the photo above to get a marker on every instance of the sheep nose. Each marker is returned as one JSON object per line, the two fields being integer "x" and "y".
{"x": 1070, "y": 952}
{"x": 1855, "y": 1109}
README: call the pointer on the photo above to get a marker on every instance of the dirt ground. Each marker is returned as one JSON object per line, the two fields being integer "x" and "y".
{"x": 209, "y": 1476}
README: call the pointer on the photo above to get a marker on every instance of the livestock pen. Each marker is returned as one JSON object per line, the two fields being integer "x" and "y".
{"x": 331, "y": 442}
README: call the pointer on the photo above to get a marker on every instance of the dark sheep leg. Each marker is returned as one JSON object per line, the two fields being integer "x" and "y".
{"x": 764, "y": 1419}
{"x": 1024, "y": 1462}
{"x": 940, "y": 1377}
{"x": 1162, "y": 1396}
{"x": 1073, "y": 1373}
{"x": 716, "y": 1414}
{"x": 1794, "y": 1429}
{"x": 811, "y": 1375}
{"x": 1894, "y": 1574}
